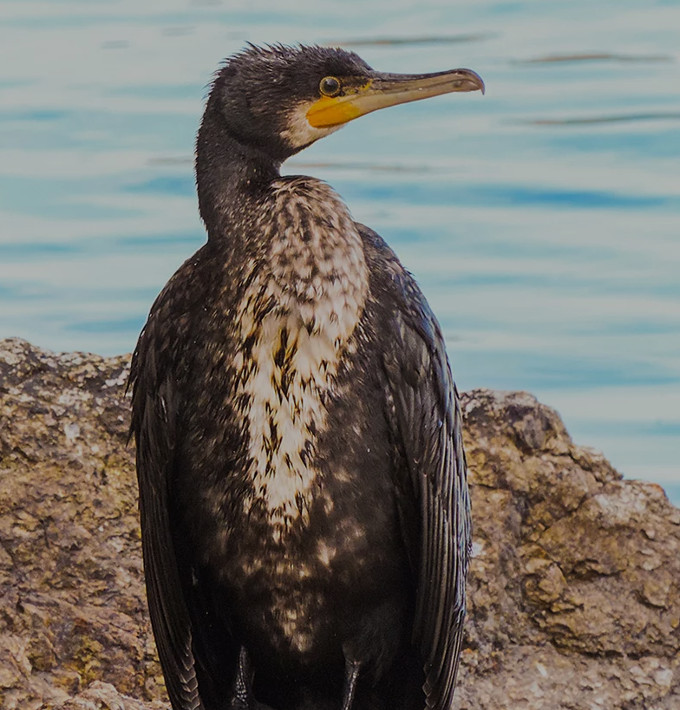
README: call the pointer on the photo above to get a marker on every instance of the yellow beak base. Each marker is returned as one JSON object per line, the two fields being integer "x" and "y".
{"x": 385, "y": 90}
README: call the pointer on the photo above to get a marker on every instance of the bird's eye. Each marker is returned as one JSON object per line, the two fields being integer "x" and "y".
{"x": 329, "y": 86}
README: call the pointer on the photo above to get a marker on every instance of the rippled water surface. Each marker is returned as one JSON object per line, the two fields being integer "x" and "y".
{"x": 542, "y": 220}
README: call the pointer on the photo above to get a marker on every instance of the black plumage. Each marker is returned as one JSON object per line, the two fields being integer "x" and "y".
{"x": 304, "y": 507}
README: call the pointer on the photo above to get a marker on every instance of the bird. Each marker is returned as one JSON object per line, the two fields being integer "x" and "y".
{"x": 305, "y": 515}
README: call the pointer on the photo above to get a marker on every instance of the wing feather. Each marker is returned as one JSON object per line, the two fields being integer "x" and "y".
{"x": 195, "y": 646}
{"x": 428, "y": 418}
{"x": 154, "y": 427}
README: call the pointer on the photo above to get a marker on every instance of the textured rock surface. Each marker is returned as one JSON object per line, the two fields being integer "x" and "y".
{"x": 574, "y": 591}
{"x": 575, "y": 584}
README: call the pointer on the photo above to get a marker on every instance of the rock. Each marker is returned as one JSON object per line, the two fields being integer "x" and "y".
{"x": 574, "y": 593}
{"x": 103, "y": 696}
{"x": 73, "y": 606}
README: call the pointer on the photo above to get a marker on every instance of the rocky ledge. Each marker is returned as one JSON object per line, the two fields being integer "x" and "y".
{"x": 574, "y": 595}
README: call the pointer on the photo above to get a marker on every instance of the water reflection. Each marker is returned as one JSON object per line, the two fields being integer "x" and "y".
{"x": 409, "y": 41}
{"x": 586, "y": 120}
{"x": 597, "y": 57}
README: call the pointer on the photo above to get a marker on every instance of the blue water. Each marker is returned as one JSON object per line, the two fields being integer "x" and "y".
{"x": 542, "y": 220}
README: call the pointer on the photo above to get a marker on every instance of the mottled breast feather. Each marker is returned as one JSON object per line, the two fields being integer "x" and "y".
{"x": 296, "y": 321}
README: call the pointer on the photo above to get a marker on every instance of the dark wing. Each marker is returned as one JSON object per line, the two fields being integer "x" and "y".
{"x": 154, "y": 412}
{"x": 427, "y": 418}
{"x": 193, "y": 646}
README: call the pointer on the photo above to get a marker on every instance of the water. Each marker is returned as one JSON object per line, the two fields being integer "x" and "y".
{"x": 542, "y": 220}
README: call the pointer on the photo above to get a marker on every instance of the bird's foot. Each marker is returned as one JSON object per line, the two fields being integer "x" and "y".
{"x": 252, "y": 704}
{"x": 350, "y": 685}
{"x": 242, "y": 698}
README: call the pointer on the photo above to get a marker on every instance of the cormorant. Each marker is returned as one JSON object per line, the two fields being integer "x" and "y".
{"x": 303, "y": 497}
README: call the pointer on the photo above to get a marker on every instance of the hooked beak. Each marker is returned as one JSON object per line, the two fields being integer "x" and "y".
{"x": 383, "y": 90}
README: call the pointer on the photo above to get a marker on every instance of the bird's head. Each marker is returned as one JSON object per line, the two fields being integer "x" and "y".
{"x": 281, "y": 99}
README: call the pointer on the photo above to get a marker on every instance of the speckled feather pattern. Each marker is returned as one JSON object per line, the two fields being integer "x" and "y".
{"x": 298, "y": 316}
{"x": 296, "y": 325}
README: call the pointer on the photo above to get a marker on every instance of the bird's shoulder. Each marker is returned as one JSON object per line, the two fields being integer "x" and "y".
{"x": 395, "y": 294}
{"x": 420, "y": 386}
{"x": 171, "y": 323}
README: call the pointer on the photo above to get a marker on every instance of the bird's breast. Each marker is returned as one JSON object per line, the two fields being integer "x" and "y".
{"x": 297, "y": 323}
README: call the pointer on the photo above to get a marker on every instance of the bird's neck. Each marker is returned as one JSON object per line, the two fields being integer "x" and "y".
{"x": 229, "y": 176}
